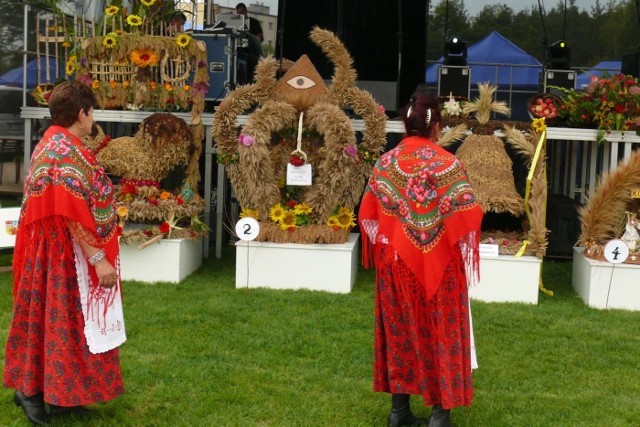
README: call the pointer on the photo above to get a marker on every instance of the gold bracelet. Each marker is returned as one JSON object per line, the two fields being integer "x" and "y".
{"x": 95, "y": 258}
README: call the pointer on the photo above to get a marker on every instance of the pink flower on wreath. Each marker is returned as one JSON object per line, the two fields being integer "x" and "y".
{"x": 351, "y": 150}
{"x": 381, "y": 108}
{"x": 634, "y": 90}
{"x": 246, "y": 140}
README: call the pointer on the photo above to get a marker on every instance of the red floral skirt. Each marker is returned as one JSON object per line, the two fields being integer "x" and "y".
{"x": 47, "y": 350}
{"x": 422, "y": 347}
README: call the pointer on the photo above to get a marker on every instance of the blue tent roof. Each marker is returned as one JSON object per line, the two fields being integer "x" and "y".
{"x": 611, "y": 67}
{"x": 14, "y": 77}
{"x": 496, "y": 49}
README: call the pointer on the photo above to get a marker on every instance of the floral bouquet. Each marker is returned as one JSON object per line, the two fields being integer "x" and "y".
{"x": 610, "y": 102}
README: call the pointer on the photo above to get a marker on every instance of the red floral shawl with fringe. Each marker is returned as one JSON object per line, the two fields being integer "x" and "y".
{"x": 66, "y": 182}
{"x": 419, "y": 201}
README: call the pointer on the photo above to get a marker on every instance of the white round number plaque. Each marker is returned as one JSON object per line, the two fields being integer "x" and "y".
{"x": 616, "y": 251}
{"x": 247, "y": 229}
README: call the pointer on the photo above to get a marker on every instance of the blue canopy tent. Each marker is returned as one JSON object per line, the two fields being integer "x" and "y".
{"x": 611, "y": 67}
{"x": 15, "y": 77}
{"x": 495, "y": 59}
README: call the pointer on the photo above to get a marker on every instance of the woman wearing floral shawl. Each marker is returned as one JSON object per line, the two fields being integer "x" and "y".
{"x": 67, "y": 321}
{"x": 420, "y": 227}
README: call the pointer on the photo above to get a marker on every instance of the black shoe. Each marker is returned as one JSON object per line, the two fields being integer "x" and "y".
{"x": 33, "y": 407}
{"x": 59, "y": 410}
{"x": 440, "y": 417}
{"x": 401, "y": 414}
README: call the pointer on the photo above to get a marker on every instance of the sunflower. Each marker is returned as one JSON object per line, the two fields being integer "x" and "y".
{"x": 183, "y": 40}
{"x": 134, "y": 20}
{"x": 148, "y": 2}
{"x": 332, "y": 221}
{"x": 539, "y": 124}
{"x": 345, "y": 219}
{"x": 111, "y": 10}
{"x": 70, "y": 68}
{"x": 144, "y": 57}
{"x": 302, "y": 209}
{"x": 249, "y": 213}
{"x": 276, "y": 213}
{"x": 110, "y": 41}
{"x": 288, "y": 221}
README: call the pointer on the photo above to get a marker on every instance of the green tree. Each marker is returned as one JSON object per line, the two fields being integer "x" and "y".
{"x": 11, "y": 34}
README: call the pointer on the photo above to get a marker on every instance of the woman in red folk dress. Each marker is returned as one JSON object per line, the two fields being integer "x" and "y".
{"x": 420, "y": 226}
{"x": 67, "y": 321}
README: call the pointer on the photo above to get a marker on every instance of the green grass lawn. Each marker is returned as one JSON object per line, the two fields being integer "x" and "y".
{"x": 202, "y": 353}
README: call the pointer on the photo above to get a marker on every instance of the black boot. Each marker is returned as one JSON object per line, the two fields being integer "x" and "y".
{"x": 401, "y": 413}
{"x": 440, "y": 417}
{"x": 33, "y": 407}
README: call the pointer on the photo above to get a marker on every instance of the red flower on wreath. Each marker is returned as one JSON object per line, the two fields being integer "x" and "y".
{"x": 296, "y": 160}
{"x": 164, "y": 227}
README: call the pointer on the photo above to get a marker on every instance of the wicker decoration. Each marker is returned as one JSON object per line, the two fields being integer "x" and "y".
{"x": 484, "y": 156}
{"x": 163, "y": 143}
{"x": 257, "y": 158}
{"x": 609, "y": 208}
{"x": 138, "y": 71}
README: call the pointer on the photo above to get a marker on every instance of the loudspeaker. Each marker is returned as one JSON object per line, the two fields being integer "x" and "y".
{"x": 631, "y": 64}
{"x": 559, "y": 78}
{"x": 386, "y": 39}
{"x": 454, "y": 80}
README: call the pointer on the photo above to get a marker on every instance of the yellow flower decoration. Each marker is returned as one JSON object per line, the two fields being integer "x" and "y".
{"x": 183, "y": 40}
{"x": 168, "y": 87}
{"x": 165, "y": 195}
{"x": 113, "y": 84}
{"x": 276, "y": 213}
{"x": 66, "y": 44}
{"x": 148, "y": 2}
{"x": 302, "y": 209}
{"x": 122, "y": 211}
{"x": 125, "y": 84}
{"x": 153, "y": 85}
{"x": 70, "y": 68}
{"x": 111, "y": 10}
{"x": 95, "y": 84}
{"x": 186, "y": 88}
{"x": 144, "y": 57}
{"x": 110, "y": 41}
{"x": 288, "y": 221}
{"x": 249, "y": 213}
{"x": 332, "y": 221}
{"x": 134, "y": 20}
{"x": 539, "y": 125}
{"x": 345, "y": 218}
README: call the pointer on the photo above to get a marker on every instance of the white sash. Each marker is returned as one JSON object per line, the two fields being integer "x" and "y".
{"x": 104, "y": 330}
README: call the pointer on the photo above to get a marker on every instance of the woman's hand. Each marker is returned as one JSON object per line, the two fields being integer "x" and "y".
{"x": 107, "y": 277}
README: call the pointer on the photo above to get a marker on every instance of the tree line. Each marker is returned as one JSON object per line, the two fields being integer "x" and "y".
{"x": 608, "y": 30}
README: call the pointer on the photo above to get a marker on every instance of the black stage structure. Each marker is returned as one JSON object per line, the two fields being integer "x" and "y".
{"x": 387, "y": 40}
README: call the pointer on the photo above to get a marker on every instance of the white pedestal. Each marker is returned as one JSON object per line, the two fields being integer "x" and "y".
{"x": 169, "y": 260}
{"x": 605, "y": 285}
{"x": 318, "y": 267}
{"x": 505, "y": 278}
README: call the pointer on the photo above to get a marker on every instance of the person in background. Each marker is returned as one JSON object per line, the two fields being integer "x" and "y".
{"x": 67, "y": 324}
{"x": 420, "y": 227}
{"x": 251, "y": 54}
{"x": 176, "y": 24}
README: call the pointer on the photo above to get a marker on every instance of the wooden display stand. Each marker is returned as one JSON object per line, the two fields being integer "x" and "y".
{"x": 169, "y": 260}
{"x": 505, "y": 278}
{"x": 318, "y": 267}
{"x": 601, "y": 284}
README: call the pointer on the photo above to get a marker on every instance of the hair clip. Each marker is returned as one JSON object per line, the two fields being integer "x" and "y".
{"x": 427, "y": 119}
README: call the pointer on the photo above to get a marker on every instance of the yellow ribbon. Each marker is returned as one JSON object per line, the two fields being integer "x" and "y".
{"x": 541, "y": 144}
